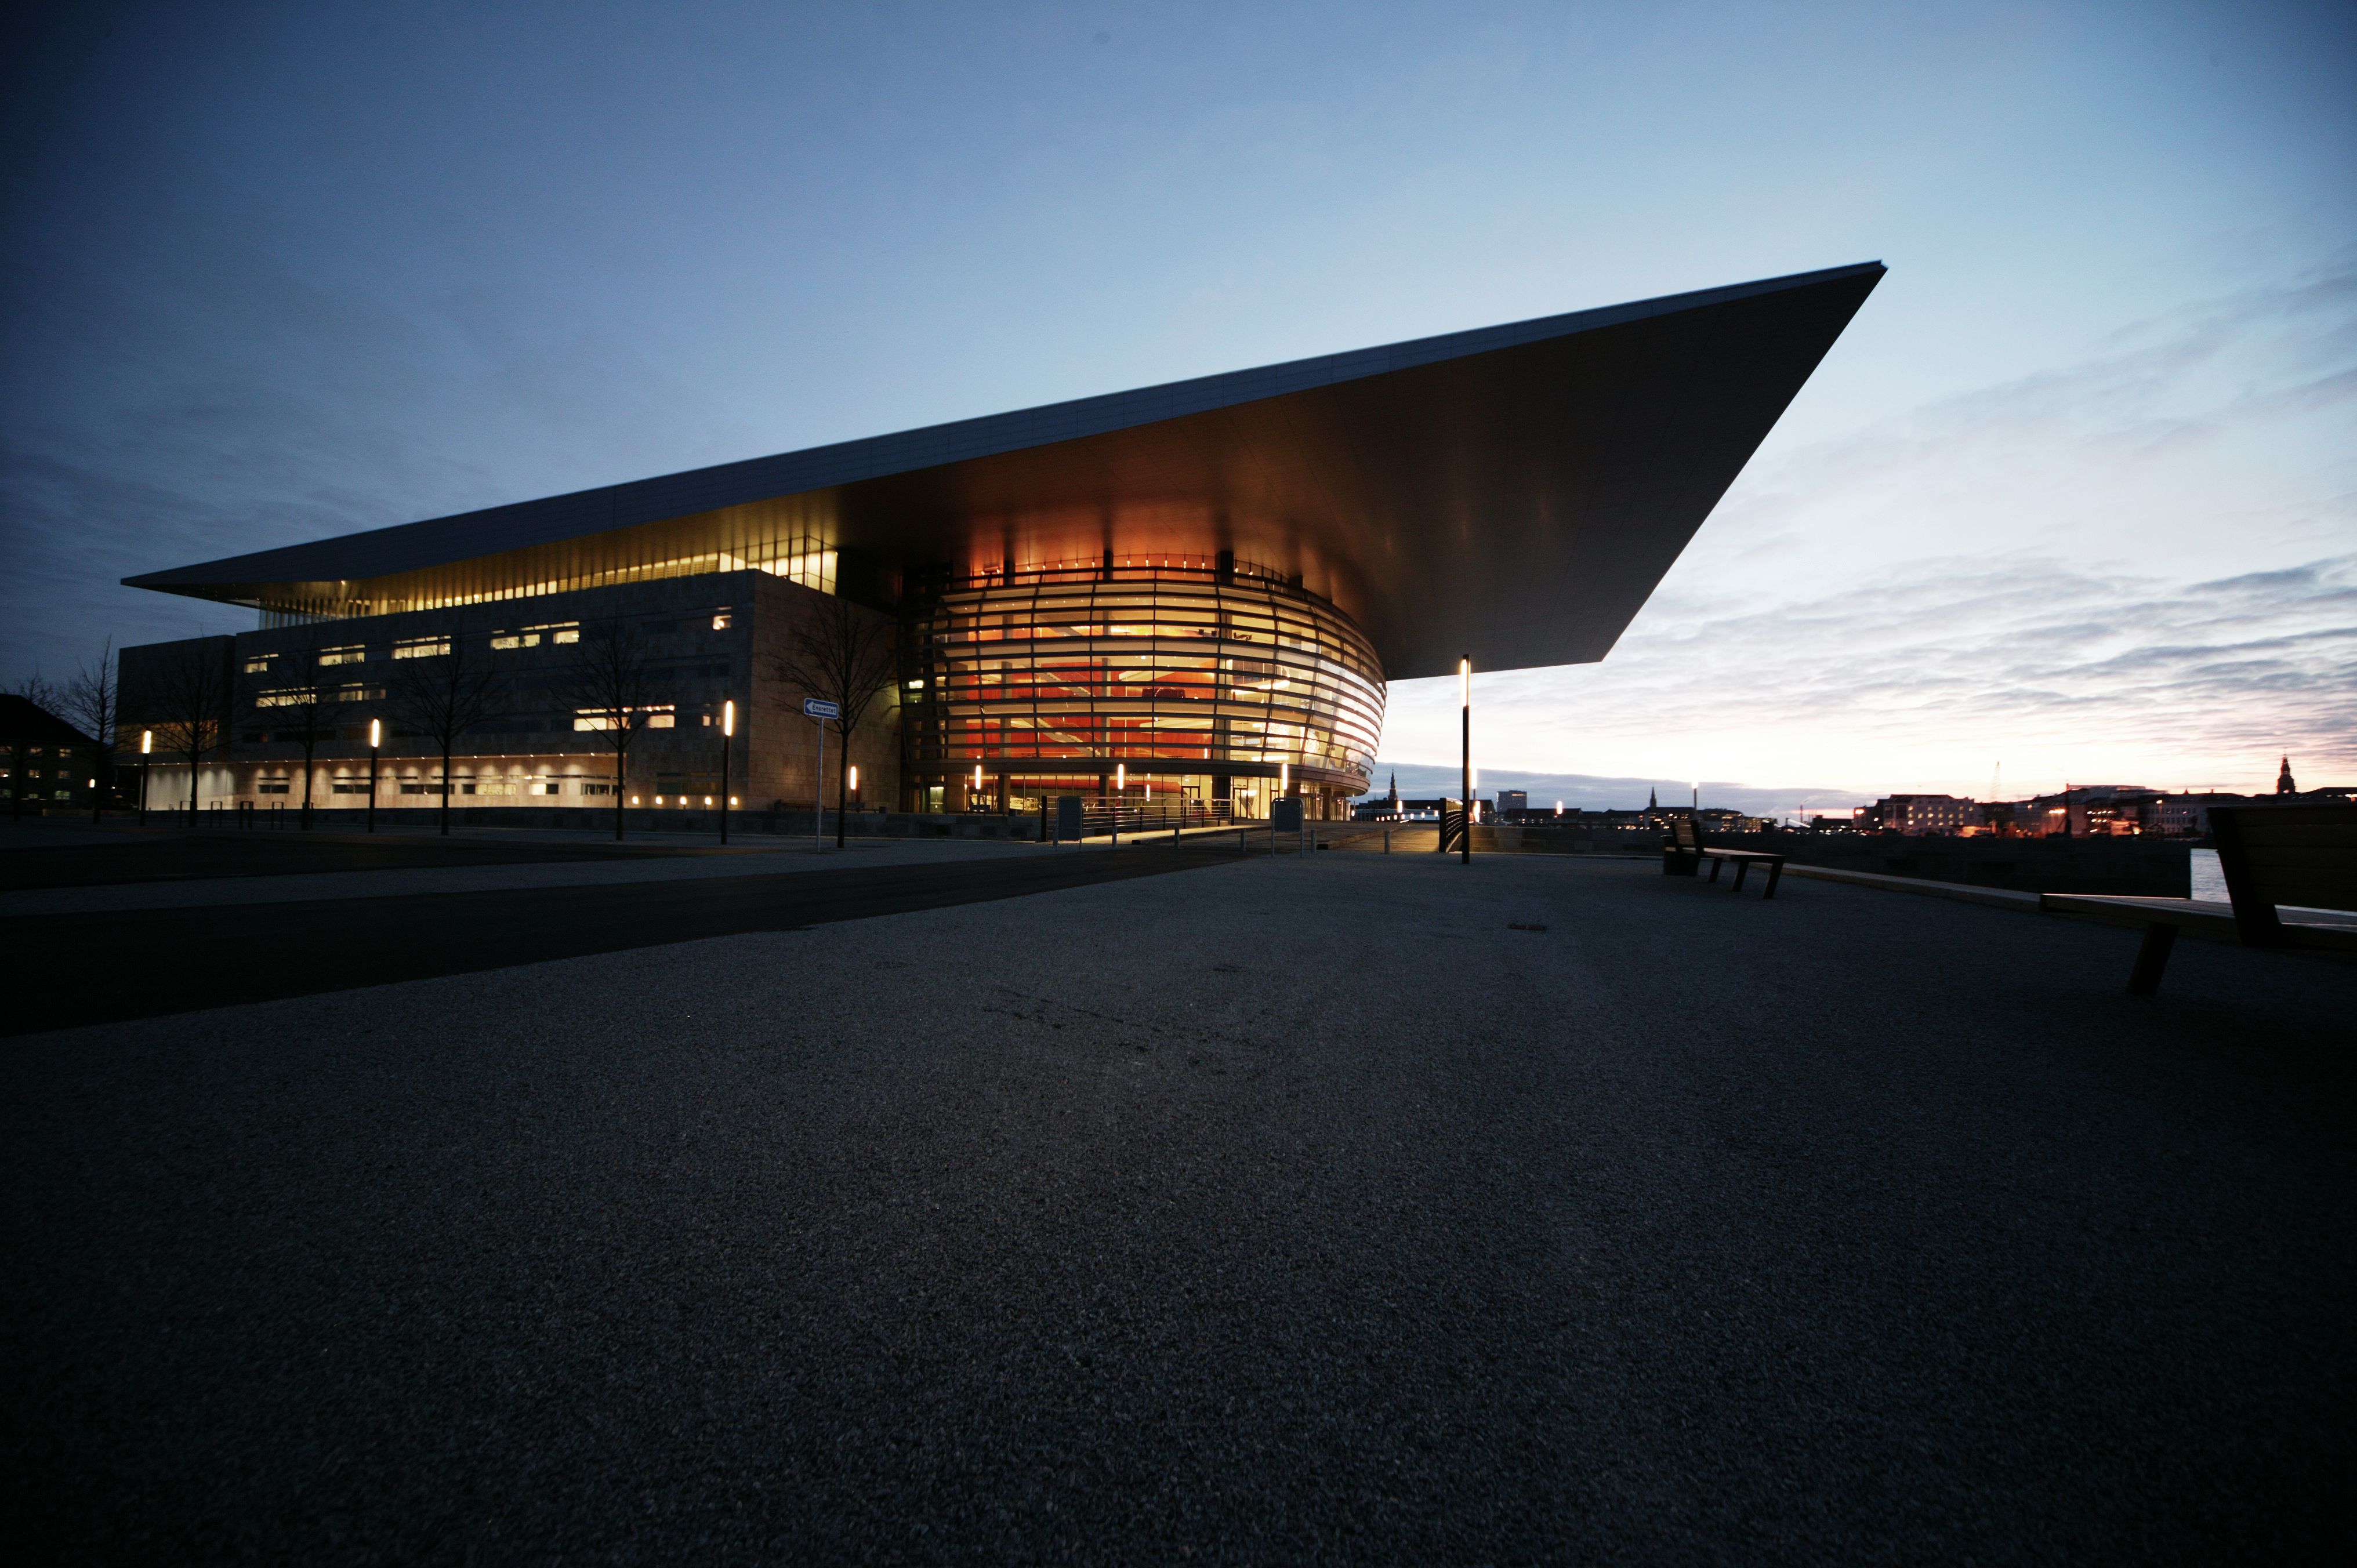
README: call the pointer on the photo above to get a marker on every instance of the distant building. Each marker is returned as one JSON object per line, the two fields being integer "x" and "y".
{"x": 1511, "y": 801}
{"x": 1920, "y": 814}
{"x": 1385, "y": 808}
{"x": 46, "y": 764}
{"x": 2284, "y": 785}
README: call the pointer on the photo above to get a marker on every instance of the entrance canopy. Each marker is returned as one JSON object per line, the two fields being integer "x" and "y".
{"x": 1513, "y": 493}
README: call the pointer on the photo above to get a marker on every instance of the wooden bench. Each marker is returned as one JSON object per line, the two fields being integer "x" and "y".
{"x": 1684, "y": 852}
{"x": 1681, "y": 849}
{"x": 2299, "y": 856}
{"x": 1743, "y": 860}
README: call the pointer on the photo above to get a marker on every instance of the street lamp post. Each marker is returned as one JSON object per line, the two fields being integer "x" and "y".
{"x": 727, "y": 734}
{"x": 376, "y": 737}
{"x": 1465, "y": 754}
{"x": 146, "y": 745}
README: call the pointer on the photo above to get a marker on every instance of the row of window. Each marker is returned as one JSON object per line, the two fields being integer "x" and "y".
{"x": 432, "y": 647}
{"x": 553, "y": 633}
{"x": 479, "y": 788}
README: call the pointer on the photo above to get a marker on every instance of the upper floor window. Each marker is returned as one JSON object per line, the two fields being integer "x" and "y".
{"x": 422, "y": 648}
{"x": 659, "y": 716}
{"x": 722, "y": 621}
{"x": 354, "y": 655}
{"x": 558, "y": 632}
{"x": 516, "y": 639}
{"x": 258, "y": 665}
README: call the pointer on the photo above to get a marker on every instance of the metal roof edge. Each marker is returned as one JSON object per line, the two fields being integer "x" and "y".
{"x": 694, "y": 490}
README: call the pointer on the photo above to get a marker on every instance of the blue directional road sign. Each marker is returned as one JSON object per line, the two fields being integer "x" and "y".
{"x": 814, "y": 708}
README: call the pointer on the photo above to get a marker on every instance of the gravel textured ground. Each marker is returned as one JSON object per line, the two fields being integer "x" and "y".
{"x": 1283, "y": 1209}
{"x": 210, "y": 870}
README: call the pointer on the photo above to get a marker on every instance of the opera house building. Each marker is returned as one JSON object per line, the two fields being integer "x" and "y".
{"x": 1192, "y": 592}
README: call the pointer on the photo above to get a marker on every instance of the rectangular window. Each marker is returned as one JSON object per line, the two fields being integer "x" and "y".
{"x": 647, "y": 718}
{"x": 412, "y": 787}
{"x": 355, "y": 655}
{"x": 358, "y": 789}
{"x": 722, "y": 621}
{"x": 422, "y": 648}
{"x": 547, "y": 787}
{"x": 558, "y": 632}
{"x": 360, "y": 693}
{"x": 292, "y": 697}
{"x": 275, "y": 786}
{"x": 596, "y": 788}
{"x": 259, "y": 665}
{"x": 516, "y": 639}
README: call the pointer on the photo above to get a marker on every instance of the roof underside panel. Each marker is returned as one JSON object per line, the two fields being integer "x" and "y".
{"x": 1512, "y": 494}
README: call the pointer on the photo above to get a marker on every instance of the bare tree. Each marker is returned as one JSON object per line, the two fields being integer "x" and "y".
{"x": 185, "y": 696}
{"x": 307, "y": 714}
{"x": 842, "y": 656}
{"x": 92, "y": 697}
{"x": 606, "y": 688}
{"x": 441, "y": 697}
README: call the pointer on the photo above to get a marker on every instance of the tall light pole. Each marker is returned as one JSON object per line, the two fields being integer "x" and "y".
{"x": 727, "y": 734}
{"x": 376, "y": 738}
{"x": 1464, "y": 726}
{"x": 146, "y": 745}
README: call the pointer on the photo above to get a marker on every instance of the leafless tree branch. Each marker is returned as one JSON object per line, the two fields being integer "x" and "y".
{"x": 606, "y": 687}
{"x": 839, "y": 655}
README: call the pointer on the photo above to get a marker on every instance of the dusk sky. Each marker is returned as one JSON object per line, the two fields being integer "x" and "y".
{"x": 2076, "y": 494}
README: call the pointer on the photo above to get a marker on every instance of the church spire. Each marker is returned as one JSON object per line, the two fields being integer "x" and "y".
{"x": 2284, "y": 786}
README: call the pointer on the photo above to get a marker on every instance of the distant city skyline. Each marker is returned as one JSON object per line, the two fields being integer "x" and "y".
{"x": 2076, "y": 495}
{"x": 1594, "y": 793}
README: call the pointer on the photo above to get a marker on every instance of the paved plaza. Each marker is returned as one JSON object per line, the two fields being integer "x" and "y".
{"x": 1345, "y": 1205}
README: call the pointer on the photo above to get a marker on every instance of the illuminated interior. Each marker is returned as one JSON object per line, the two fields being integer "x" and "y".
{"x": 1183, "y": 679}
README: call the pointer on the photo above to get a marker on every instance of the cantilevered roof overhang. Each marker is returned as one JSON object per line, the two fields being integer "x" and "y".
{"x": 1513, "y": 493}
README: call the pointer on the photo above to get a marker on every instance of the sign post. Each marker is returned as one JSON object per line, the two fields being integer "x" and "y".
{"x": 820, "y": 710}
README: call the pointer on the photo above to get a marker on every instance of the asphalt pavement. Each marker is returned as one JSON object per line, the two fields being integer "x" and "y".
{"x": 1344, "y": 1206}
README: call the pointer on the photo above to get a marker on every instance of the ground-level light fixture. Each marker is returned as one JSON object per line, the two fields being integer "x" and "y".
{"x": 727, "y": 733}
{"x": 1120, "y": 777}
{"x": 376, "y": 739}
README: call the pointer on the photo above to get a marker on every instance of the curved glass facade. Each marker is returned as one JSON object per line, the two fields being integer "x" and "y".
{"x": 1183, "y": 678}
